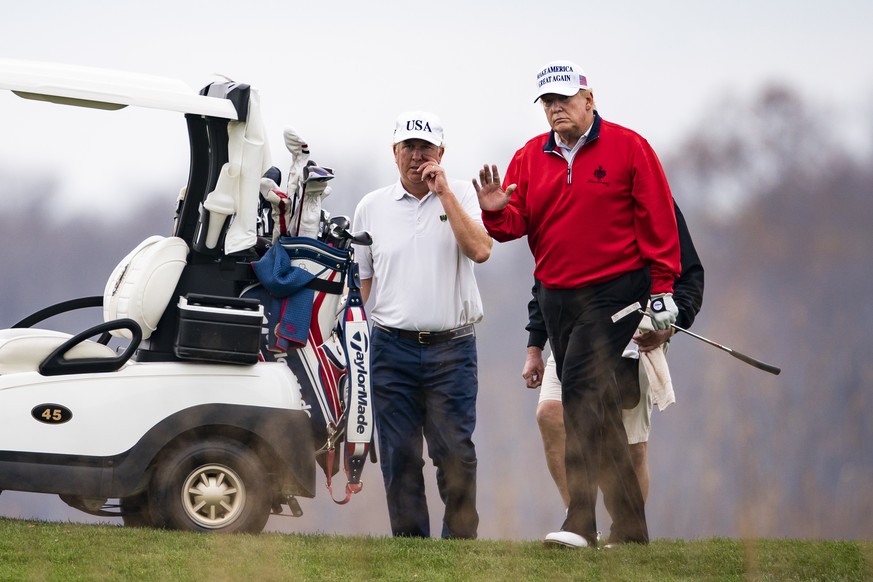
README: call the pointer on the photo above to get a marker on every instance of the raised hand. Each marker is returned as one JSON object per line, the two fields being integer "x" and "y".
{"x": 491, "y": 195}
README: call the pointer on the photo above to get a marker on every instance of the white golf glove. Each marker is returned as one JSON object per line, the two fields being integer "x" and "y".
{"x": 663, "y": 310}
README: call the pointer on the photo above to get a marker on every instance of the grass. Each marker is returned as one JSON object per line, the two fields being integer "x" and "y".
{"x": 32, "y": 550}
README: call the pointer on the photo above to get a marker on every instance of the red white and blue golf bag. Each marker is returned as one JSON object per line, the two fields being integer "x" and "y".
{"x": 310, "y": 290}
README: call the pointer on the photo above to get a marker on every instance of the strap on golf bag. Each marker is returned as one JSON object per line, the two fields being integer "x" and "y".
{"x": 359, "y": 401}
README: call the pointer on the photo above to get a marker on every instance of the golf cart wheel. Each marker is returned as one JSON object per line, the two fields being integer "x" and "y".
{"x": 214, "y": 485}
{"x": 135, "y": 511}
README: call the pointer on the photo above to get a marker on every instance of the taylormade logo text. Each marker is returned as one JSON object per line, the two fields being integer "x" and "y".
{"x": 361, "y": 348}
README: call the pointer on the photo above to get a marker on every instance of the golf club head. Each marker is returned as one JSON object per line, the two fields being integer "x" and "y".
{"x": 337, "y": 228}
{"x": 362, "y": 238}
{"x": 274, "y": 174}
{"x": 340, "y": 222}
{"x": 316, "y": 173}
{"x": 339, "y": 232}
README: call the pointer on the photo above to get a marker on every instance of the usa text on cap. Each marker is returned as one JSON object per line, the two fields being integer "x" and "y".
{"x": 418, "y": 125}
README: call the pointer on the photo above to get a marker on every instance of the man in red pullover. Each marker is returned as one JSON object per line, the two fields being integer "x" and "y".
{"x": 593, "y": 200}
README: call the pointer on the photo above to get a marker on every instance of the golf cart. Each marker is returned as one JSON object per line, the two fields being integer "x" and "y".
{"x": 178, "y": 410}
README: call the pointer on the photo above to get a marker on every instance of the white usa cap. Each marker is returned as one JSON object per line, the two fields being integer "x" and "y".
{"x": 562, "y": 78}
{"x": 419, "y": 125}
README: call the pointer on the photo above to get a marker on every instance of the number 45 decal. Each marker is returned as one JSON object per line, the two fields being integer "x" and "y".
{"x": 51, "y": 413}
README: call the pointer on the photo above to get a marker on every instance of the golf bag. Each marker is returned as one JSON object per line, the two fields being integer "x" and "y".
{"x": 317, "y": 325}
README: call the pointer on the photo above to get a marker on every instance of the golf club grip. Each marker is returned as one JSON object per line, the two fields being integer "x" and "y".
{"x": 756, "y": 363}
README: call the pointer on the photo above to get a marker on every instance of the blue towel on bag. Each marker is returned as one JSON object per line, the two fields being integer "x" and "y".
{"x": 287, "y": 283}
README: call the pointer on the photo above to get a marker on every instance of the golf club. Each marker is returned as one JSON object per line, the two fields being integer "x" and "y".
{"x": 339, "y": 236}
{"x": 740, "y": 356}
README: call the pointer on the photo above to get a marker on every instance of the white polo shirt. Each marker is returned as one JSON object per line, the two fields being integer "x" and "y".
{"x": 421, "y": 279}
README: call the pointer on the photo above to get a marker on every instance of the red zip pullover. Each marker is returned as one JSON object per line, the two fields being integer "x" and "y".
{"x": 609, "y": 213}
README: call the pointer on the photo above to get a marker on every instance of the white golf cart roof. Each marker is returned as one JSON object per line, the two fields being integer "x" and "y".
{"x": 226, "y": 132}
{"x": 106, "y": 89}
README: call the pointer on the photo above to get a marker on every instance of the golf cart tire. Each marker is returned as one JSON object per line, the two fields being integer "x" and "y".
{"x": 215, "y": 485}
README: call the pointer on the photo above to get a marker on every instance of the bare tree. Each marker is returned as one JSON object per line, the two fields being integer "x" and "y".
{"x": 780, "y": 212}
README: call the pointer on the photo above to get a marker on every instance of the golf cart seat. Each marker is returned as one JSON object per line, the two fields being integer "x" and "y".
{"x": 135, "y": 297}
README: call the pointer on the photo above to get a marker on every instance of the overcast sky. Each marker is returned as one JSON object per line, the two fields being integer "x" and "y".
{"x": 340, "y": 72}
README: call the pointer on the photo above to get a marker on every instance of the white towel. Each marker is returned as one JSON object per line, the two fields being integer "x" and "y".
{"x": 658, "y": 374}
{"x": 660, "y": 383}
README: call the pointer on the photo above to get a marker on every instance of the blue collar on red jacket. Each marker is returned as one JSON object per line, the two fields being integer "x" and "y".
{"x": 552, "y": 145}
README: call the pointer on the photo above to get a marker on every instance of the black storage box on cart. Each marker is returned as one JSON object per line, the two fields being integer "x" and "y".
{"x": 219, "y": 329}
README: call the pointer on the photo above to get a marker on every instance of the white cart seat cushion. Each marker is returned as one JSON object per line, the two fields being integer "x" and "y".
{"x": 23, "y": 349}
{"x": 142, "y": 284}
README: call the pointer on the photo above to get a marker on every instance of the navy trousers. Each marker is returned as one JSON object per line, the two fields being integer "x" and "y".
{"x": 588, "y": 345}
{"x": 426, "y": 393}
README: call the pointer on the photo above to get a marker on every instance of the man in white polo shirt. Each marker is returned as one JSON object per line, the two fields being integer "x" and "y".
{"x": 427, "y": 233}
